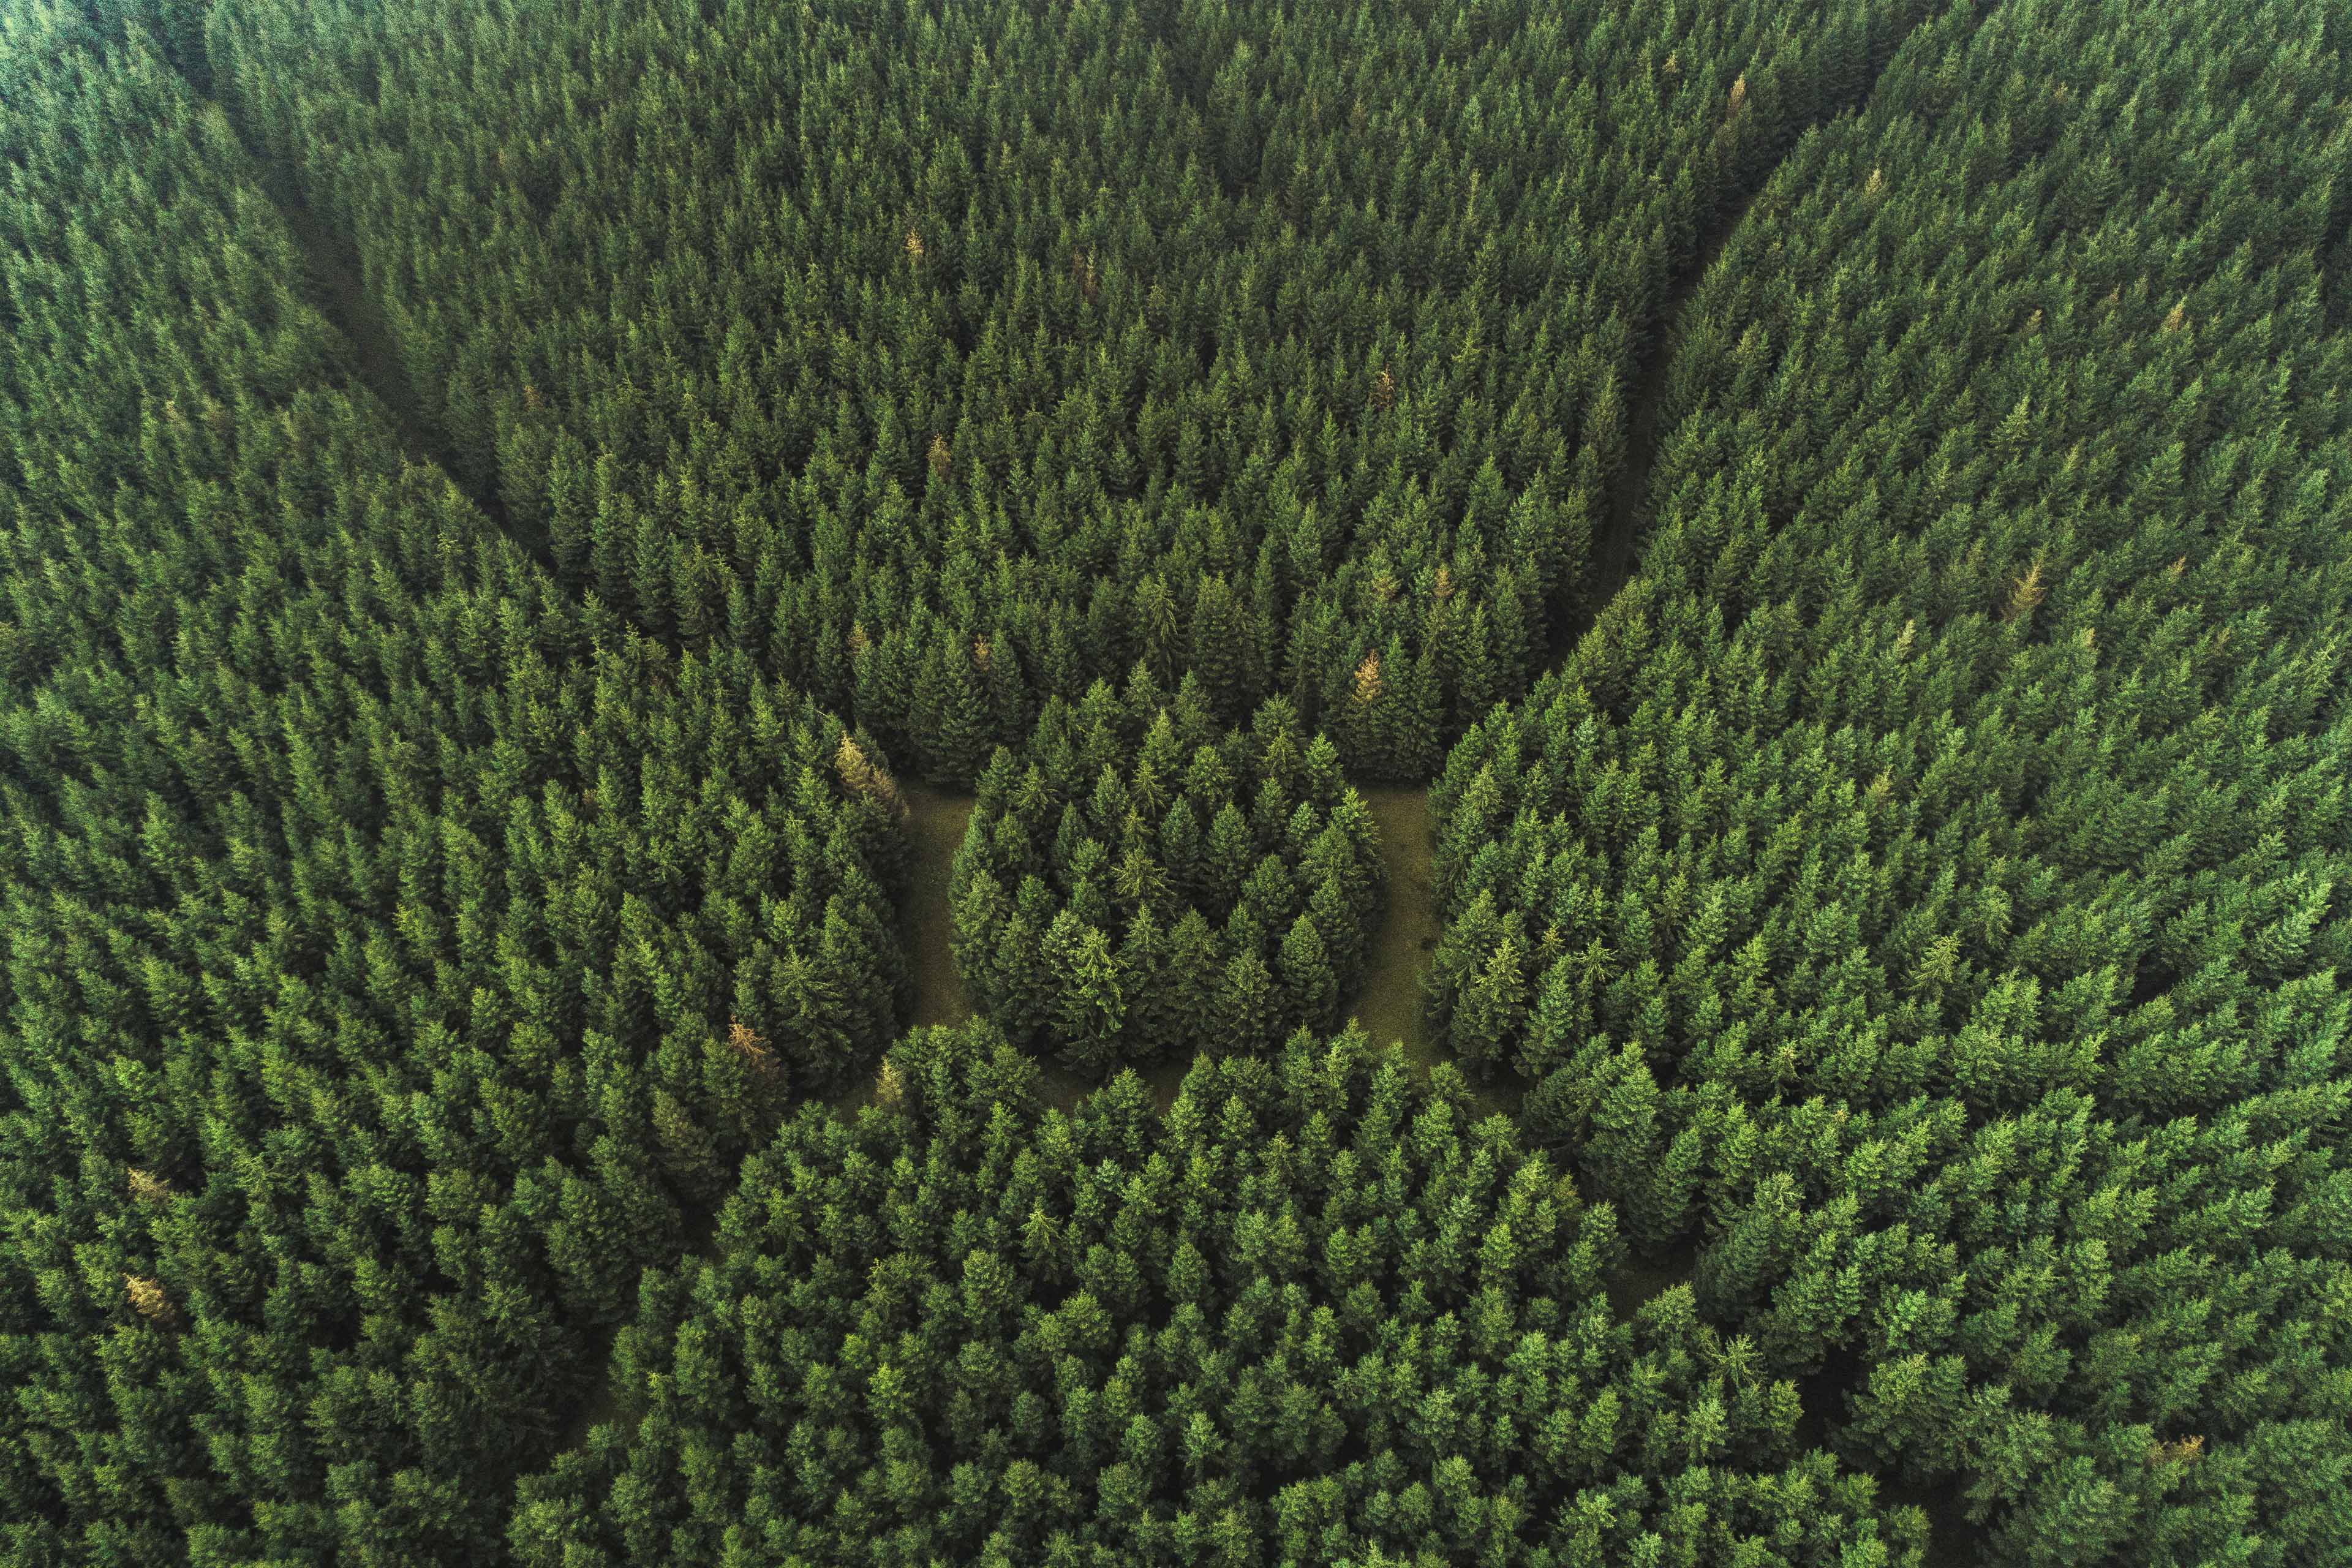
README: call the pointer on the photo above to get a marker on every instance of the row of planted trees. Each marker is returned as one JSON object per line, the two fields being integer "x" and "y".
{"x": 942, "y": 361}
{"x": 1921, "y": 893}
{"x": 397, "y": 947}
{"x": 1926, "y": 890}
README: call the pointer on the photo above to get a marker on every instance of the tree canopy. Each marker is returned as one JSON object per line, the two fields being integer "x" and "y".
{"x": 1315, "y": 1314}
{"x": 1843, "y": 503}
{"x": 1147, "y": 883}
{"x": 396, "y": 948}
{"x": 1926, "y": 888}
{"x": 1277, "y": 343}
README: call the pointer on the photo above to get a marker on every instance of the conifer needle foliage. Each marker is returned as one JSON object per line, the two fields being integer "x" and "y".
{"x": 1927, "y": 889}
{"x": 502, "y": 504}
{"x": 1315, "y": 1314}
{"x": 1148, "y": 882}
{"x": 1252, "y": 340}
{"x": 393, "y": 949}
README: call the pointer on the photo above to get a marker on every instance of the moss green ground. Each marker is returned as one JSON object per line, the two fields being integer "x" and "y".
{"x": 1389, "y": 1006}
{"x": 935, "y": 829}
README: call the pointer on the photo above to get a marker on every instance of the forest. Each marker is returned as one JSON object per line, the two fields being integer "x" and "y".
{"x": 1418, "y": 784}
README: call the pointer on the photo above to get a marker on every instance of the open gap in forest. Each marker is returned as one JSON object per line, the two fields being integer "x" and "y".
{"x": 374, "y": 364}
{"x": 596, "y": 1400}
{"x": 1954, "y": 1541}
{"x": 1388, "y": 1003}
{"x": 935, "y": 821}
{"x": 1625, "y": 512}
{"x": 1643, "y": 1276}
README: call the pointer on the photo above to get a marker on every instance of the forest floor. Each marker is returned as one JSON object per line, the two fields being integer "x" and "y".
{"x": 601, "y": 1402}
{"x": 935, "y": 828}
{"x": 1389, "y": 1005}
{"x": 1640, "y": 1276}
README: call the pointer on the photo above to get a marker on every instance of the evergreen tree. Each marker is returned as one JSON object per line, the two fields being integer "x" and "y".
{"x": 1246, "y": 1326}
{"x": 1134, "y": 931}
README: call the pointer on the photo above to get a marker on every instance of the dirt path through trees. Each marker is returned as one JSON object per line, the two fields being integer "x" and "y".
{"x": 1389, "y": 1006}
{"x": 935, "y": 828}
{"x": 1625, "y": 516}
{"x": 340, "y": 291}
{"x": 375, "y": 365}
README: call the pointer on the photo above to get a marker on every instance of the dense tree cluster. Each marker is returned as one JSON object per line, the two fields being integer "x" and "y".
{"x": 1144, "y": 881}
{"x": 395, "y": 948}
{"x": 1314, "y": 1315}
{"x": 1923, "y": 899}
{"x": 1285, "y": 343}
{"x": 1927, "y": 886}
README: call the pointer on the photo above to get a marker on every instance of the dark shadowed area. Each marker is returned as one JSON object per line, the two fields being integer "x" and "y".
{"x": 935, "y": 828}
{"x": 1390, "y": 1005}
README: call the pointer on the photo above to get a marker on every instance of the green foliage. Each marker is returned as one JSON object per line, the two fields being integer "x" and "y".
{"x": 396, "y": 949}
{"x": 1249, "y": 341}
{"x": 1920, "y": 898}
{"x": 1142, "y": 873}
{"x": 1313, "y": 1314}
{"x": 1930, "y": 875}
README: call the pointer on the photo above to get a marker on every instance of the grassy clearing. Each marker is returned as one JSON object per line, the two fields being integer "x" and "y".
{"x": 1389, "y": 1008}
{"x": 935, "y": 829}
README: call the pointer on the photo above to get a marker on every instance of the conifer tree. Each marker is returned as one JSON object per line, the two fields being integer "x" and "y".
{"x": 1134, "y": 933}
